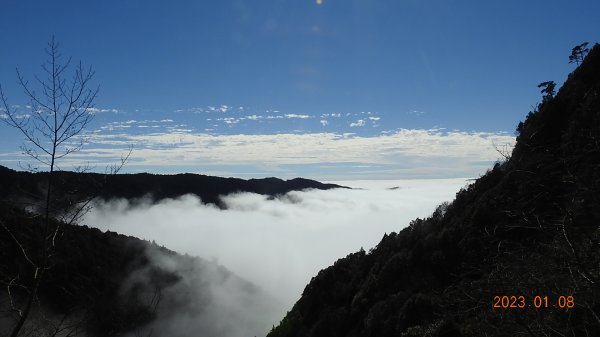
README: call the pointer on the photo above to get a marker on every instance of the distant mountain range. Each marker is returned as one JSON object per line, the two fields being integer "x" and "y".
{"x": 30, "y": 187}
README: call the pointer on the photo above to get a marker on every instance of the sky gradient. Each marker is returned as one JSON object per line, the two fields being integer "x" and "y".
{"x": 349, "y": 89}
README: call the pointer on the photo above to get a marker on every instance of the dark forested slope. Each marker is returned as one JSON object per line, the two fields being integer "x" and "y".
{"x": 85, "y": 275}
{"x": 29, "y": 187}
{"x": 106, "y": 284}
{"x": 528, "y": 227}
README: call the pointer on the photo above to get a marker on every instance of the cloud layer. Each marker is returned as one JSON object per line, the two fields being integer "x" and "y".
{"x": 403, "y": 153}
{"x": 252, "y": 143}
{"x": 279, "y": 244}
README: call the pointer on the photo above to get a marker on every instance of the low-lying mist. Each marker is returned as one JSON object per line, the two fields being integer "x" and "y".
{"x": 205, "y": 299}
{"x": 277, "y": 243}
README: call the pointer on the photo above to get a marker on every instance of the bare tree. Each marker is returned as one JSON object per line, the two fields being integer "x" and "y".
{"x": 60, "y": 107}
{"x": 505, "y": 150}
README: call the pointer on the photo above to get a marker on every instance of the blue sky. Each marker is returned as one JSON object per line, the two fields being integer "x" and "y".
{"x": 345, "y": 89}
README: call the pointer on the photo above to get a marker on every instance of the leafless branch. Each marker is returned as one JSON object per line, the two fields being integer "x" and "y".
{"x": 504, "y": 150}
{"x": 34, "y": 265}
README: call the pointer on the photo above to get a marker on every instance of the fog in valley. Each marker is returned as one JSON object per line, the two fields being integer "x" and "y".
{"x": 278, "y": 244}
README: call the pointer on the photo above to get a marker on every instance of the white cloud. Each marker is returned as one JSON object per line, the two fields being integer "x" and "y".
{"x": 211, "y": 108}
{"x": 254, "y": 117}
{"x": 97, "y": 110}
{"x": 323, "y": 122}
{"x": 115, "y": 126}
{"x": 358, "y": 123}
{"x": 296, "y": 116}
{"x": 229, "y": 120}
{"x": 279, "y": 244}
{"x": 374, "y": 118}
{"x": 191, "y": 110}
{"x": 432, "y": 153}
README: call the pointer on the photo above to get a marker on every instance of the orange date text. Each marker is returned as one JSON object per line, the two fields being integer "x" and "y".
{"x": 537, "y": 302}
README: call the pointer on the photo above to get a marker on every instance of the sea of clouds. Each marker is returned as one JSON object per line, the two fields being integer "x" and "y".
{"x": 278, "y": 243}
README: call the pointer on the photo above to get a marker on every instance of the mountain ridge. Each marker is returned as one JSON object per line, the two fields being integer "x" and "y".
{"x": 80, "y": 186}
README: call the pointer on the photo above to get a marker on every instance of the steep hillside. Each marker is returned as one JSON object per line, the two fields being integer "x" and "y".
{"x": 106, "y": 284}
{"x": 528, "y": 228}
